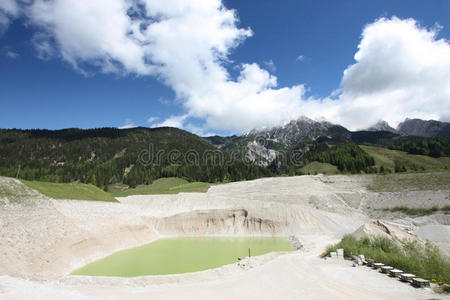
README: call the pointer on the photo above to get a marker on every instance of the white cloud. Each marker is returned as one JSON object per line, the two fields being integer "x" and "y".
{"x": 128, "y": 124}
{"x": 400, "y": 70}
{"x": 173, "y": 121}
{"x": 300, "y": 58}
{"x": 43, "y": 45}
{"x": 152, "y": 119}
{"x": 251, "y": 101}
{"x": 96, "y": 32}
{"x": 271, "y": 65}
{"x": 9, "y": 10}
{"x": 10, "y": 7}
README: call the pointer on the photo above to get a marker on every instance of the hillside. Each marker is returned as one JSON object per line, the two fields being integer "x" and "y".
{"x": 394, "y": 160}
{"x": 72, "y": 191}
{"x": 138, "y": 156}
{"x": 110, "y": 155}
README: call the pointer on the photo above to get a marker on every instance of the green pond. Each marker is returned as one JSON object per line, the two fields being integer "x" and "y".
{"x": 182, "y": 255}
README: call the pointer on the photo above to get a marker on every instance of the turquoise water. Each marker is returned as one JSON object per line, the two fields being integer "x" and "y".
{"x": 182, "y": 255}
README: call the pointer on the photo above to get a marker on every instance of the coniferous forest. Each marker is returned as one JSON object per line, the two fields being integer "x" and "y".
{"x": 109, "y": 155}
{"x": 140, "y": 155}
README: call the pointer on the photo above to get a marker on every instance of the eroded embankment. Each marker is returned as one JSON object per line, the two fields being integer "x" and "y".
{"x": 44, "y": 238}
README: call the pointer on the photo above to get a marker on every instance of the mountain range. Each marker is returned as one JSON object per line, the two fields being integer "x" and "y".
{"x": 263, "y": 144}
{"x": 104, "y": 156}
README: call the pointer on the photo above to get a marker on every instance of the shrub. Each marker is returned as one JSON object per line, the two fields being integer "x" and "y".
{"x": 410, "y": 256}
{"x": 417, "y": 211}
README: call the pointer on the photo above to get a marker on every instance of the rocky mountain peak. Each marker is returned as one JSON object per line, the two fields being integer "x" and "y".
{"x": 426, "y": 128}
{"x": 296, "y": 131}
{"x": 381, "y": 126}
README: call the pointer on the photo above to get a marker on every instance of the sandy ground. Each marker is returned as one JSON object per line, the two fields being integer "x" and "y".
{"x": 43, "y": 240}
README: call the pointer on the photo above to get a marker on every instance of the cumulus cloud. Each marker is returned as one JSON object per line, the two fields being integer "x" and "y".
{"x": 9, "y": 10}
{"x": 184, "y": 43}
{"x": 95, "y": 32}
{"x": 401, "y": 69}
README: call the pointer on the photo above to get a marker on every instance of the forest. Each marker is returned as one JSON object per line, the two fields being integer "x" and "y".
{"x": 348, "y": 157}
{"x": 134, "y": 156}
{"x": 109, "y": 155}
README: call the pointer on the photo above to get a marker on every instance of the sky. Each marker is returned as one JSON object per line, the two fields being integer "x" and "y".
{"x": 222, "y": 67}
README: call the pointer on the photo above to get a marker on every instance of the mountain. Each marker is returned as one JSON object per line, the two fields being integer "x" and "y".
{"x": 263, "y": 146}
{"x": 430, "y": 128}
{"x": 104, "y": 156}
{"x": 381, "y": 126}
{"x": 302, "y": 129}
{"x": 248, "y": 148}
{"x": 109, "y": 155}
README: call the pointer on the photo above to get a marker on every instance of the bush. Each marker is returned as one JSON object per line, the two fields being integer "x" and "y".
{"x": 413, "y": 257}
{"x": 418, "y": 211}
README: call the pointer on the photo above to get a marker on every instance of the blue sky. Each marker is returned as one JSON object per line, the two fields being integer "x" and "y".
{"x": 301, "y": 43}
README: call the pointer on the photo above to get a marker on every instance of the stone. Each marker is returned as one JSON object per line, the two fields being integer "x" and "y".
{"x": 419, "y": 282}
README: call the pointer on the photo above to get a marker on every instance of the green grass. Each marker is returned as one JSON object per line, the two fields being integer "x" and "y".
{"x": 413, "y": 163}
{"x": 200, "y": 187}
{"x": 316, "y": 167}
{"x": 418, "y": 211}
{"x": 410, "y": 182}
{"x": 171, "y": 185}
{"x": 74, "y": 191}
{"x": 424, "y": 261}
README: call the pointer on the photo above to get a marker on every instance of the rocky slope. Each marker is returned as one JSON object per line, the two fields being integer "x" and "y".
{"x": 299, "y": 130}
{"x": 430, "y": 128}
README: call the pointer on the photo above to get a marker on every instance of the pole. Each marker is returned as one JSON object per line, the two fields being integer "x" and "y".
{"x": 18, "y": 170}
{"x": 249, "y": 252}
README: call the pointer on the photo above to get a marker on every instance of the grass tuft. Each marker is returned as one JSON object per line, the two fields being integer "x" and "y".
{"x": 418, "y": 211}
{"x": 412, "y": 257}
